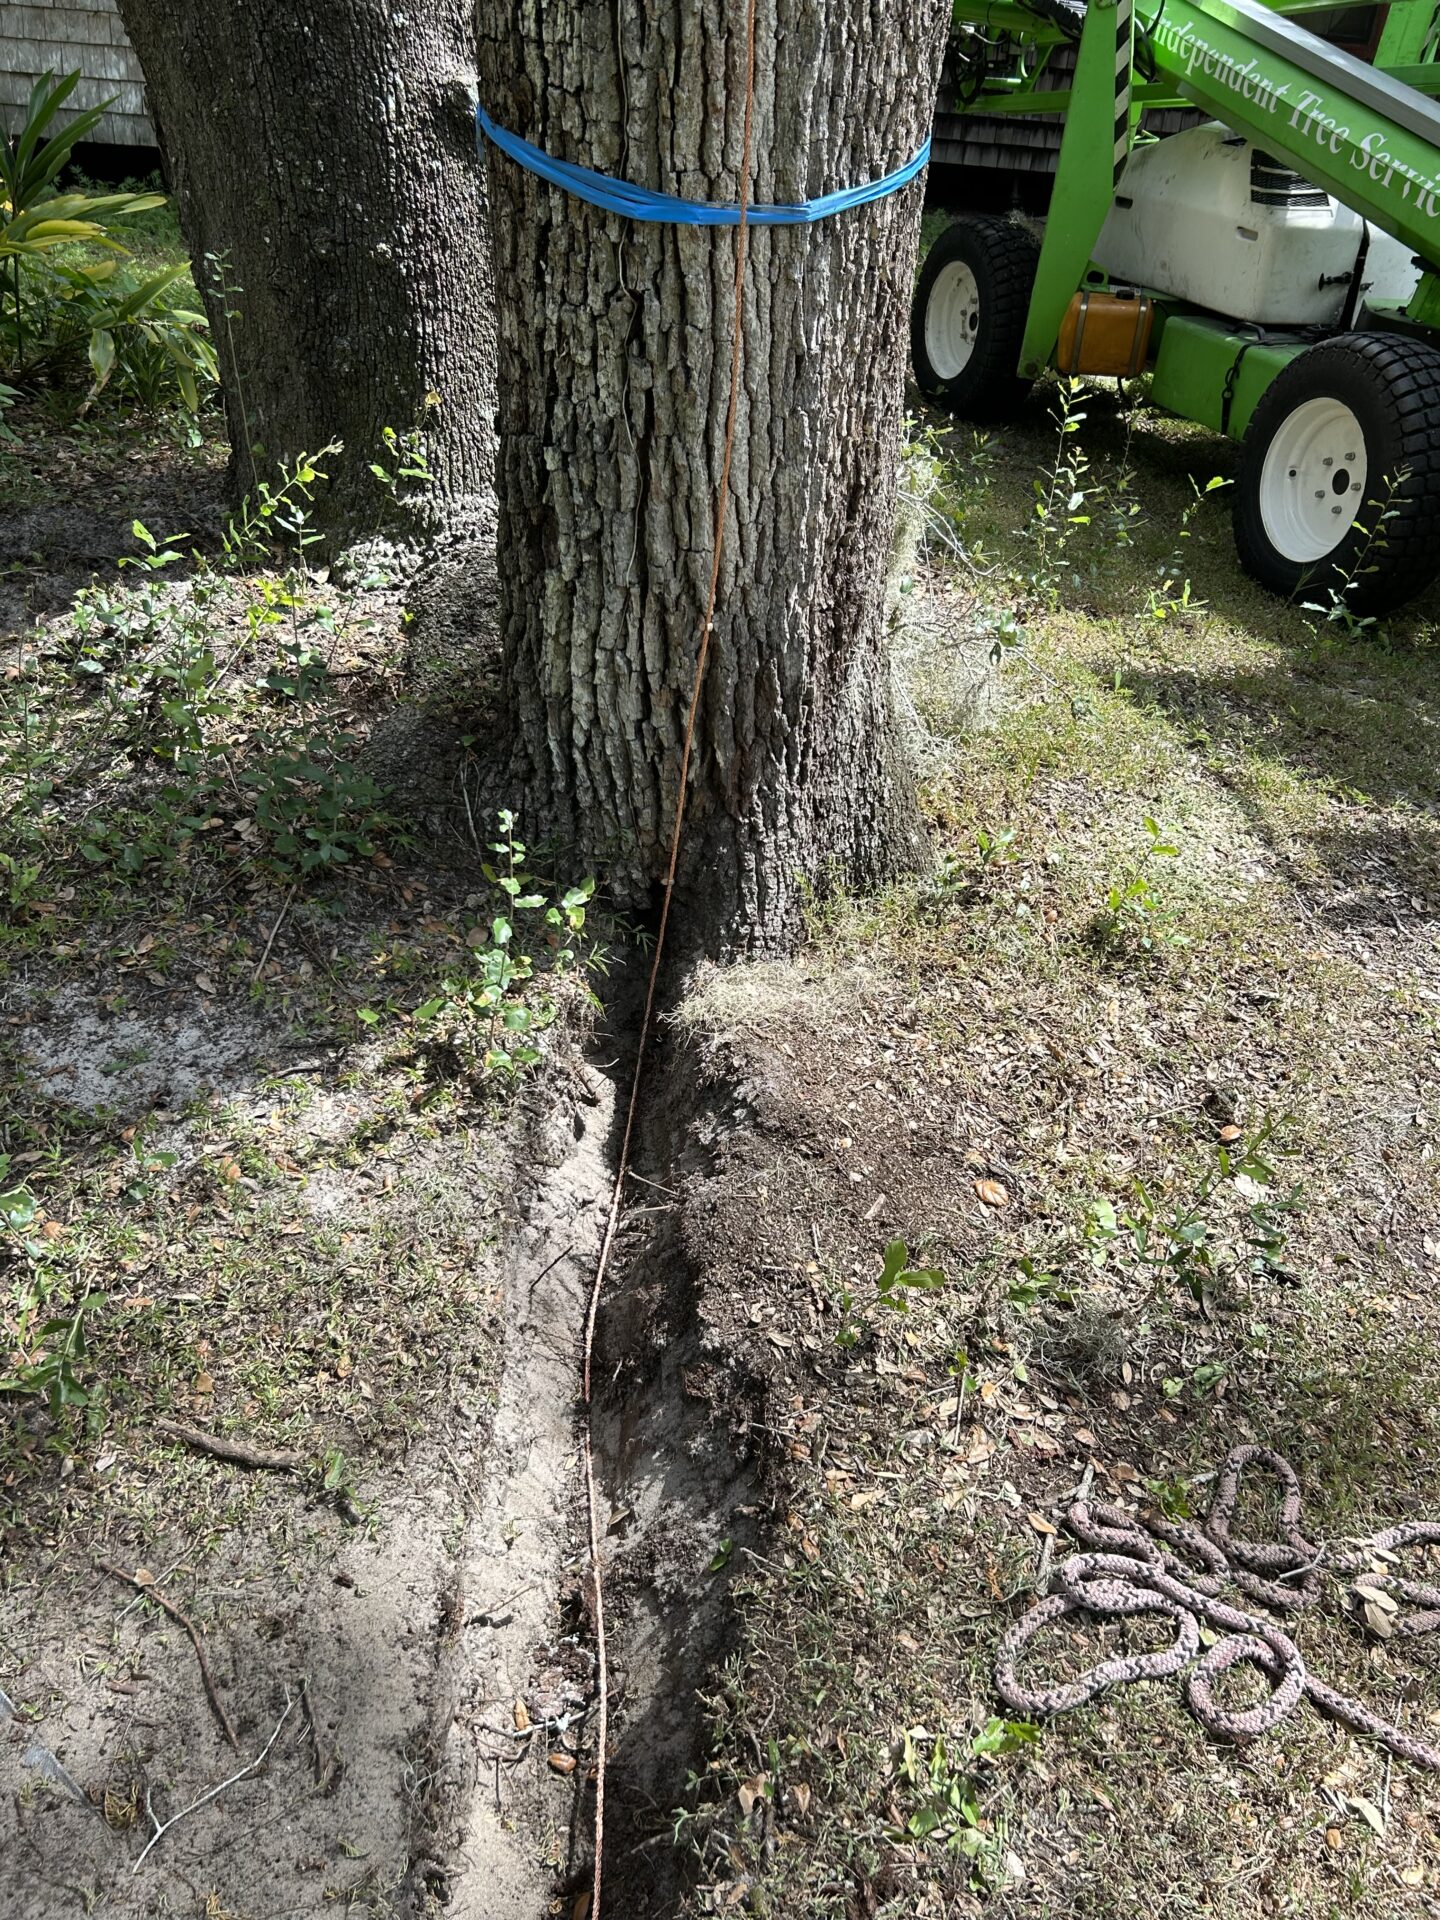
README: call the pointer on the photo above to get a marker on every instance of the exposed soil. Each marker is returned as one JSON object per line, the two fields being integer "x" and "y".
{"x": 68, "y": 520}
{"x": 427, "y": 1676}
{"x": 996, "y": 1066}
{"x": 322, "y": 1229}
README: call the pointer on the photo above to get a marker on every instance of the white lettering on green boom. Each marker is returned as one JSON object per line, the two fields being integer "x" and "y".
{"x": 1367, "y": 154}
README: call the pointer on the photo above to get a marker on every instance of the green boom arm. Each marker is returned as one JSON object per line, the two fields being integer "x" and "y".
{"x": 1367, "y": 135}
{"x": 1363, "y": 135}
{"x": 1093, "y": 150}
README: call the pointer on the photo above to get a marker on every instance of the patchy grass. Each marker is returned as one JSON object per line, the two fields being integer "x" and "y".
{"x": 250, "y": 1039}
{"x": 1147, "y": 1064}
{"x": 256, "y": 1150}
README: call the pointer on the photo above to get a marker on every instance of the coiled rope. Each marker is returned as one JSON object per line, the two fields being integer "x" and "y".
{"x": 1149, "y": 1566}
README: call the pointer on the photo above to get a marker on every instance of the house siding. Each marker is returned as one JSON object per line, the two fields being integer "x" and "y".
{"x": 87, "y": 35}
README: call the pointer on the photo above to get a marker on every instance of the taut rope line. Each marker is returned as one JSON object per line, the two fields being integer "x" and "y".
{"x": 742, "y": 246}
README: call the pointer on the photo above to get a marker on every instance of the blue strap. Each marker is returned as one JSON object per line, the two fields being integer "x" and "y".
{"x": 638, "y": 203}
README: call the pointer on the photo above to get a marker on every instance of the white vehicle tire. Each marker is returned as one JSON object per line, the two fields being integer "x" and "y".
{"x": 967, "y": 322}
{"x": 1339, "y": 488}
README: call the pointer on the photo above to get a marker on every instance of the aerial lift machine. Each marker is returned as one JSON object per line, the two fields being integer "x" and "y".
{"x": 1276, "y": 271}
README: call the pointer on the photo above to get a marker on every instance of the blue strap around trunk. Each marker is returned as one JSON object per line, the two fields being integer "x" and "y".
{"x": 639, "y": 203}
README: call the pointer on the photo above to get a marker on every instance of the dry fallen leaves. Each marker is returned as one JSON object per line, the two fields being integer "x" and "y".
{"x": 749, "y": 1791}
{"x": 522, "y": 1717}
{"x": 1379, "y": 1608}
{"x": 1368, "y": 1812}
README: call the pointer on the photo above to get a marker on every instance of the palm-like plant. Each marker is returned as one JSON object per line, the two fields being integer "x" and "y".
{"x": 90, "y": 302}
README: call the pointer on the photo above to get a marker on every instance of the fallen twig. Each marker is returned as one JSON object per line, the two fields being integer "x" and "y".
{"x": 548, "y": 1268}
{"x": 487, "y": 1616}
{"x": 1042, "y": 1572}
{"x": 323, "y": 1764}
{"x": 279, "y": 918}
{"x": 960, "y": 1404}
{"x": 152, "y": 1592}
{"x": 225, "y": 1448}
{"x": 214, "y": 1792}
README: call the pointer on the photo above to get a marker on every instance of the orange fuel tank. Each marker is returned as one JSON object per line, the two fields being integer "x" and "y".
{"x": 1105, "y": 333}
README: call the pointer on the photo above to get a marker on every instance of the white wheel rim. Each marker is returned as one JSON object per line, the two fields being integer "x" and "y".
{"x": 952, "y": 320}
{"x": 1313, "y": 480}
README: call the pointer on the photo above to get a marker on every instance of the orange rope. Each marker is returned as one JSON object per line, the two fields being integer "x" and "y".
{"x": 742, "y": 247}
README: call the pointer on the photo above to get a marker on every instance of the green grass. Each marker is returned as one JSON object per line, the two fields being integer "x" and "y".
{"x": 307, "y": 1260}
{"x": 233, "y": 1299}
{"x": 1277, "y": 970}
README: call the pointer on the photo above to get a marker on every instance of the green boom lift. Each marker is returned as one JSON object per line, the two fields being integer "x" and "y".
{"x": 1277, "y": 269}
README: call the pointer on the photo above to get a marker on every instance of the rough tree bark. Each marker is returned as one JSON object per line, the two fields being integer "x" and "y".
{"x": 326, "y": 149}
{"x": 613, "y": 372}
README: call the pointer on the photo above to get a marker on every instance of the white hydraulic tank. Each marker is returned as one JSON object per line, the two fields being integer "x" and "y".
{"x": 1208, "y": 217}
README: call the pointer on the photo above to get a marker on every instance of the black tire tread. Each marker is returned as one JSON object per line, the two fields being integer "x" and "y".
{"x": 1406, "y": 372}
{"x": 990, "y": 388}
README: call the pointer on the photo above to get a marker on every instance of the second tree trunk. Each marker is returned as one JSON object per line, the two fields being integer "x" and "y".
{"x": 323, "y": 159}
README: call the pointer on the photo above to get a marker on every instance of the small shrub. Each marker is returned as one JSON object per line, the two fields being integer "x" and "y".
{"x": 1170, "y": 596}
{"x": 48, "y": 1348}
{"x": 942, "y": 1781}
{"x": 1229, "y": 1227}
{"x": 1135, "y": 916}
{"x": 314, "y": 806}
{"x": 1336, "y": 607}
{"x": 894, "y": 1284}
{"x": 1060, "y": 495}
{"x": 71, "y": 312}
{"x": 483, "y": 1011}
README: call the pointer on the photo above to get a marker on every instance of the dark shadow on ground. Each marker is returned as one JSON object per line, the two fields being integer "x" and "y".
{"x": 66, "y": 511}
{"x": 1365, "y": 726}
{"x": 1361, "y": 729}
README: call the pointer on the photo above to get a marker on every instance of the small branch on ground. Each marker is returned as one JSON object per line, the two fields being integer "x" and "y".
{"x": 547, "y": 1269}
{"x": 148, "y": 1587}
{"x": 225, "y": 1448}
{"x": 325, "y": 1764}
{"x": 1042, "y": 1572}
{"x": 279, "y": 918}
{"x": 162, "y": 1828}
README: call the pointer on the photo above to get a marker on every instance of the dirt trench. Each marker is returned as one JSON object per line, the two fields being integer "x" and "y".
{"x": 508, "y": 1828}
{"x": 427, "y": 1681}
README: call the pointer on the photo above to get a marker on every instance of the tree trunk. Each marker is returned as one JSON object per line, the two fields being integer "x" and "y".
{"x": 324, "y": 151}
{"x": 613, "y": 373}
